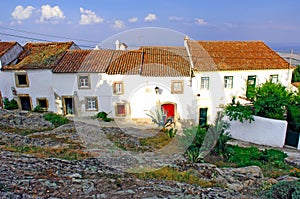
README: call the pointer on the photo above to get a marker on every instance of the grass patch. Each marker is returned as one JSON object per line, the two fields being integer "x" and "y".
{"x": 61, "y": 153}
{"x": 20, "y": 131}
{"x": 158, "y": 141}
{"x": 173, "y": 174}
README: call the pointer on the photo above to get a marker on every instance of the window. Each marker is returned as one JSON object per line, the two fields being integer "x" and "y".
{"x": 274, "y": 78}
{"x": 21, "y": 80}
{"x": 177, "y": 87}
{"x": 205, "y": 83}
{"x": 228, "y": 81}
{"x": 118, "y": 88}
{"x": 43, "y": 103}
{"x": 91, "y": 104}
{"x": 83, "y": 82}
{"x": 120, "y": 109}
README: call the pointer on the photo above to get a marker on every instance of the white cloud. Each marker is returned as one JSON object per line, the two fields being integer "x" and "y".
{"x": 21, "y": 13}
{"x": 51, "y": 14}
{"x": 89, "y": 17}
{"x": 133, "y": 19}
{"x": 119, "y": 24}
{"x": 150, "y": 17}
{"x": 201, "y": 22}
{"x": 174, "y": 18}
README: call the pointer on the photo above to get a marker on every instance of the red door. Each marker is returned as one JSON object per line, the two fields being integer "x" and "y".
{"x": 169, "y": 110}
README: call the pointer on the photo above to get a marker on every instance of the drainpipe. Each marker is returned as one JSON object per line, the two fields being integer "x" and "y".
{"x": 186, "y": 39}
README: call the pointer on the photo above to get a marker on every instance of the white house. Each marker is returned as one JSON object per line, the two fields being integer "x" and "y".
{"x": 229, "y": 69}
{"x": 192, "y": 82}
{"x": 28, "y": 79}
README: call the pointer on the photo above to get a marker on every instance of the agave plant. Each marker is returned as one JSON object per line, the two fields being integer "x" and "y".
{"x": 160, "y": 118}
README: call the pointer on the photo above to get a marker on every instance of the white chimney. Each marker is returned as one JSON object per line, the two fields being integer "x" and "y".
{"x": 120, "y": 45}
{"x": 117, "y": 43}
{"x": 97, "y": 47}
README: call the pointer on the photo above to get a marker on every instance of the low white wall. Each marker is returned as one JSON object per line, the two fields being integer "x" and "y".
{"x": 262, "y": 131}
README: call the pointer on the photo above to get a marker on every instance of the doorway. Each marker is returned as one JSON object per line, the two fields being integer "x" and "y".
{"x": 251, "y": 82}
{"x": 169, "y": 110}
{"x": 25, "y": 103}
{"x": 203, "y": 116}
{"x": 68, "y": 104}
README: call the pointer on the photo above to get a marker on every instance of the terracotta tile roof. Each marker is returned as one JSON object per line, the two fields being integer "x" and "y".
{"x": 234, "y": 55}
{"x": 165, "y": 61}
{"x": 40, "y": 55}
{"x": 87, "y": 61}
{"x": 6, "y": 46}
{"x": 125, "y": 62}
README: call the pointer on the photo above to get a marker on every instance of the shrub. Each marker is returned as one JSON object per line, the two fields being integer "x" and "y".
{"x": 10, "y": 105}
{"x": 55, "y": 119}
{"x": 239, "y": 112}
{"x": 103, "y": 116}
{"x": 284, "y": 190}
{"x": 38, "y": 109}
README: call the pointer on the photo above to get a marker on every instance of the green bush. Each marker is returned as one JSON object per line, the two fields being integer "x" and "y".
{"x": 55, "y": 119}
{"x": 10, "y": 105}
{"x": 102, "y": 115}
{"x": 284, "y": 190}
{"x": 38, "y": 109}
{"x": 239, "y": 112}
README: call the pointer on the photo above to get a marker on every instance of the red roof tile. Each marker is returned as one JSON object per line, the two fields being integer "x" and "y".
{"x": 6, "y": 46}
{"x": 40, "y": 55}
{"x": 234, "y": 55}
{"x": 93, "y": 61}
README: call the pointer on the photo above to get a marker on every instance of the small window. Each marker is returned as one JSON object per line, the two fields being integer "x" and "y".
{"x": 43, "y": 103}
{"x": 21, "y": 80}
{"x": 177, "y": 87}
{"x": 83, "y": 82}
{"x": 205, "y": 83}
{"x": 120, "y": 109}
{"x": 274, "y": 78}
{"x": 228, "y": 81}
{"x": 118, "y": 88}
{"x": 91, "y": 104}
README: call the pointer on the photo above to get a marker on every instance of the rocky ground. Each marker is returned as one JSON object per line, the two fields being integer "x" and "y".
{"x": 100, "y": 174}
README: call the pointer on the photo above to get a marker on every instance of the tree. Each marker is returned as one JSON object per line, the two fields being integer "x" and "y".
{"x": 271, "y": 100}
{"x": 296, "y": 74}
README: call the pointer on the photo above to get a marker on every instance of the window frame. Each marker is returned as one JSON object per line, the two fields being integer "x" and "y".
{"x": 47, "y": 103}
{"x": 180, "y": 91}
{"x": 84, "y": 76}
{"x": 86, "y": 99}
{"x": 204, "y": 86}
{"x": 121, "y": 91}
{"x": 272, "y": 77}
{"x": 17, "y": 79}
{"x": 228, "y": 82}
{"x": 116, "y": 110}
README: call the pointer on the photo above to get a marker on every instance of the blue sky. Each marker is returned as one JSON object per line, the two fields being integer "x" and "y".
{"x": 102, "y": 21}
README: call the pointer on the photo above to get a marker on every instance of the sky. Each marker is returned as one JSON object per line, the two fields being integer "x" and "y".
{"x": 149, "y": 22}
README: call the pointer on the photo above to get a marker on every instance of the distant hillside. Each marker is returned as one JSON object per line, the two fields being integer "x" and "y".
{"x": 295, "y": 58}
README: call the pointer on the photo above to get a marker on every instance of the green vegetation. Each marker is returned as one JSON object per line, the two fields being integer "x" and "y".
{"x": 284, "y": 189}
{"x": 296, "y": 74}
{"x": 103, "y": 116}
{"x": 10, "y": 104}
{"x": 159, "y": 118}
{"x": 38, "y": 109}
{"x": 174, "y": 174}
{"x": 62, "y": 153}
{"x": 55, "y": 119}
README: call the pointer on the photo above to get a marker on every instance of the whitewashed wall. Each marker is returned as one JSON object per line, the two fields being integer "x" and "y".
{"x": 40, "y": 85}
{"x": 262, "y": 131}
{"x": 217, "y": 96}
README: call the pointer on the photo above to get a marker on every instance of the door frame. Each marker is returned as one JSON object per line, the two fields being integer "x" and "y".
{"x": 20, "y": 102}
{"x": 64, "y": 104}
{"x": 175, "y": 109}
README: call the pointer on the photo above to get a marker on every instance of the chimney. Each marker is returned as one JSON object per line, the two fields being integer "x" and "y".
{"x": 97, "y": 47}
{"x": 120, "y": 45}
